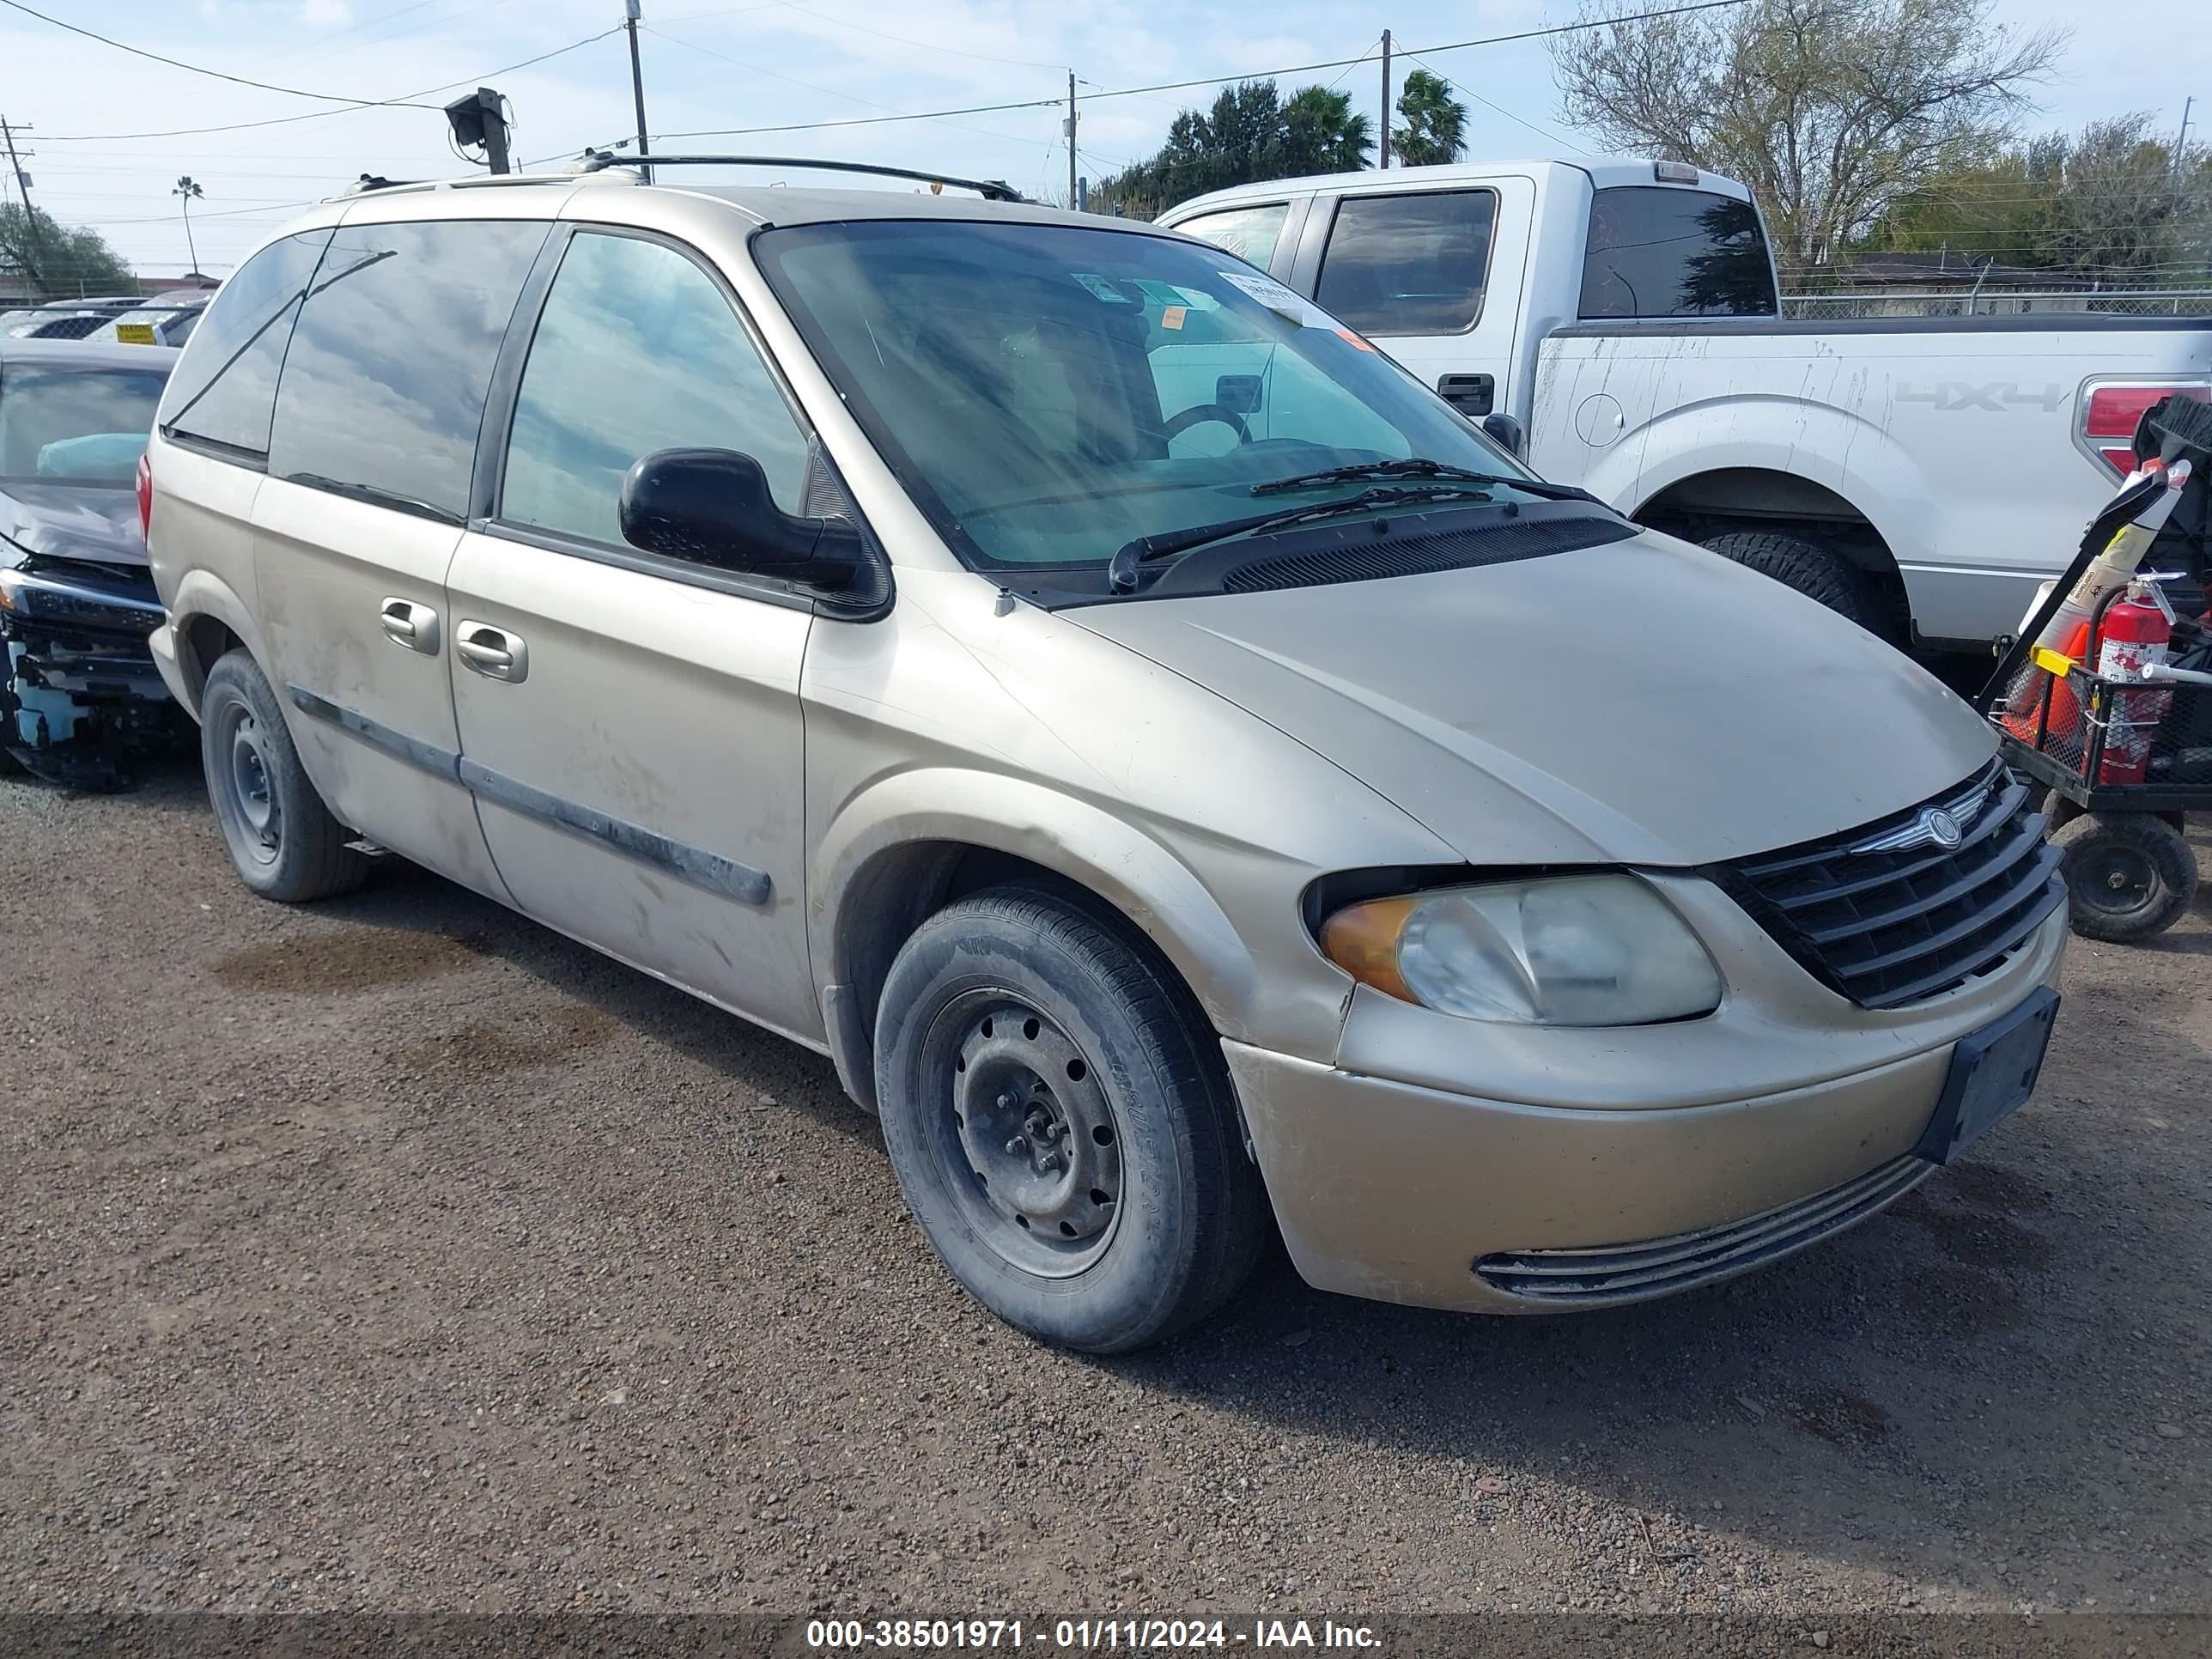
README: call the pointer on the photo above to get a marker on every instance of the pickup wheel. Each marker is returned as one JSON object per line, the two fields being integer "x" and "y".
{"x": 1817, "y": 572}
{"x": 1061, "y": 1123}
{"x": 281, "y": 836}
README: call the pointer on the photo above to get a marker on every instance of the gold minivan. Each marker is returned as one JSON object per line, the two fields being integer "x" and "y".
{"x": 1189, "y": 779}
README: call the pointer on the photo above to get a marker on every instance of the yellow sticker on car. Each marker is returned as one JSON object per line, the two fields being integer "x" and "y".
{"x": 135, "y": 333}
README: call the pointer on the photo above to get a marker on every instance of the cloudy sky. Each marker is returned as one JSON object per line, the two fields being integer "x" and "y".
{"x": 93, "y": 112}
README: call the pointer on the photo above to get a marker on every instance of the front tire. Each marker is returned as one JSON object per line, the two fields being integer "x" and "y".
{"x": 1817, "y": 572}
{"x": 282, "y": 837}
{"x": 2128, "y": 875}
{"x": 1062, "y": 1124}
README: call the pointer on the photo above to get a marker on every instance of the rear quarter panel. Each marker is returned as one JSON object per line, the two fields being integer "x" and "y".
{"x": 1957, "y": 446}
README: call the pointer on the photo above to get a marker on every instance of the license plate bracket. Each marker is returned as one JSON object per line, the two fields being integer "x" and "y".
{"x": 1993, "y": 1072}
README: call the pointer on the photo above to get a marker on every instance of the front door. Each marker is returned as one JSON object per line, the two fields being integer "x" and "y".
{"x": 630, "y": 723}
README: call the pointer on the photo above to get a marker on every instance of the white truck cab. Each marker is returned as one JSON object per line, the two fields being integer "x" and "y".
{"x": 1922, "y": 475}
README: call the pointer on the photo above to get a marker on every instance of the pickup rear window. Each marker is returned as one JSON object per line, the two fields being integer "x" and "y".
{"x": 1658, "y": 252}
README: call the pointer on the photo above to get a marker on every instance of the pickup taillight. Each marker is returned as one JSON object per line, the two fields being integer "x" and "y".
{"x": 145, "y": 496}
{"x": 2109, "y": 415}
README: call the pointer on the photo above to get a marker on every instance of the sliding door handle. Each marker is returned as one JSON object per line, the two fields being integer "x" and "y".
{"x": 405, "y": 623}
{"x": 492, "y": 651}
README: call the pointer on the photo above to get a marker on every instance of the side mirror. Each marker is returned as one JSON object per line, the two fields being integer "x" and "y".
{"x": 712, "y": 507}
{"x": 1507, "y": 434}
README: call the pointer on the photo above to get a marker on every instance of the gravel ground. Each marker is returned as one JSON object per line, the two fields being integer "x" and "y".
{"x": 398, "y": 1254}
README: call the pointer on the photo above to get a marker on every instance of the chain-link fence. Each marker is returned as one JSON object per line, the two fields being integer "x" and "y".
{"x": 2002, "y": 302}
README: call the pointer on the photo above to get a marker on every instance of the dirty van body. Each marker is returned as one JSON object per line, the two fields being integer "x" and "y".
{"x": 1186, "y": 778}
{"x": 81, "y": 701}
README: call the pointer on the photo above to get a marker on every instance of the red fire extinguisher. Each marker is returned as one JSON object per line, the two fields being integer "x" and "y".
{"x": 2137, "y": 631}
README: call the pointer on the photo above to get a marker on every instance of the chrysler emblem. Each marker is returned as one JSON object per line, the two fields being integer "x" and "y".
{"x": 1943, "y": 826}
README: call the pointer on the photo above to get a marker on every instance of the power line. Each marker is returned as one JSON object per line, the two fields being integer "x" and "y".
{"x": 404, "y": 101}
{"x": 1453, "y": 86}
{"x": 1205, "y": 81}
{"x": 195, "y": 68}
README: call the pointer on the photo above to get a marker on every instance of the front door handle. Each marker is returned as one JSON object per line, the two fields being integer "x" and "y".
{"x": 492, "y": 651}
{"x": 415, "y": 626}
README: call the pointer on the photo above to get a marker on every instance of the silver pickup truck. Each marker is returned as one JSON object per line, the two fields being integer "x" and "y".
{"x": 1922, "y": 475}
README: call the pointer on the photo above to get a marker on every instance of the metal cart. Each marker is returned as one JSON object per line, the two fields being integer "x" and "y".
{"x": 2124, "y": 761}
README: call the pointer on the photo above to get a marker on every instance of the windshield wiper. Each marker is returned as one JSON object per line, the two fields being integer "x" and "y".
{"x": 1121, "y": 569}
{"x": 1419, "y": 468}
{"x": 1415, "y": 468}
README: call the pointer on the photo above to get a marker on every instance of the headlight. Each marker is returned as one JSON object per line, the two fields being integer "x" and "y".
{"x": 1596, "y": 949}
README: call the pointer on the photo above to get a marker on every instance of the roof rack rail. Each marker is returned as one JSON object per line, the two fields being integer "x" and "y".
{"x": 992, "y": 190}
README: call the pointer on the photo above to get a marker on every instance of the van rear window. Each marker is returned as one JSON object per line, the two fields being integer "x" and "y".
{"x": 1656, "y": 252}
{"x": 384, "y": 386}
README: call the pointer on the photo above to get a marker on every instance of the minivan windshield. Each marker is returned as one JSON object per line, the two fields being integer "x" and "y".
{"x": 1049, "y": 393}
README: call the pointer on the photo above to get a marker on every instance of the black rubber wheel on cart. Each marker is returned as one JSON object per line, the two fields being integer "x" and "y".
{"x": 2128, "y": 875}
{"x": 1817, "y": 572}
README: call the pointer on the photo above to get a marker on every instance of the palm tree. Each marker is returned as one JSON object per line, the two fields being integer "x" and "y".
{"x": 1324, "y": 133}
{"x": 189, "y": 190}
{"x": 1436, "y": 121}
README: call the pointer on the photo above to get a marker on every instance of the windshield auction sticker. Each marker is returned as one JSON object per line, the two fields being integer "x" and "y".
{"x": 1278, "y": 298}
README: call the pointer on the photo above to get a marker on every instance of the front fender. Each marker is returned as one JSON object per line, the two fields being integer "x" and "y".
{"x": 1140, "y": 876}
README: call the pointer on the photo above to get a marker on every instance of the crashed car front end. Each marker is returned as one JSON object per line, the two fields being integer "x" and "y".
{"x": 81, "y": 701}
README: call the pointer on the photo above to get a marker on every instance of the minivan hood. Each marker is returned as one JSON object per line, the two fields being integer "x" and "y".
{"x": 1641, "y": 702}
{"x": 71, "y": 521}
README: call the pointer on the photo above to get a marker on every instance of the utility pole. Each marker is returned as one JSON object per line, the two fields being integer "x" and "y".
{"x": 1071, "y": 141}
{"x": 2181, "y": 140}
{"x": 30, "y": 213}
{"x": 631, "y": 17}
{"x": 1386, "y": 99}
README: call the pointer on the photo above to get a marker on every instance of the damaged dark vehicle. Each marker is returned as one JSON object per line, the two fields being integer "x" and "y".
{"x": 81, "y": 701}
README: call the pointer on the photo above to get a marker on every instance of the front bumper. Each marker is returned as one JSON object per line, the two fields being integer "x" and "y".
{"x": 1643, "y": 1151}
{"x": 80, "y": 699}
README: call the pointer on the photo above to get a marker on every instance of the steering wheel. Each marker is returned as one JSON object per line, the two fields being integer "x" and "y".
{"x": 1199, "y": 414}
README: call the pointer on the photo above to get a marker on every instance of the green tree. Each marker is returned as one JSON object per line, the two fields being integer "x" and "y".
{"x": 2113, "y": 202}
{"x": 61, "y": 263}
{"x": 1830, "y": 110}
{"x": 1322, "y": 133}
{"x": 1251, "y": 133}
{"x": 1435, "y": 130}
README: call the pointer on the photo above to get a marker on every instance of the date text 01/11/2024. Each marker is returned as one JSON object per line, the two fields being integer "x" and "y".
{"x": 941, "y": 1635}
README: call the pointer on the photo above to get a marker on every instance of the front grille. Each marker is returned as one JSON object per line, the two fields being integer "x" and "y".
{"x": 1659, "y": 1266}
{"x": 1885, "y": 922}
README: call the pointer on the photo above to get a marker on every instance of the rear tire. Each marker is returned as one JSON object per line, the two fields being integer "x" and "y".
{"x": 1817, "y": 572}
{"x": 2128, "y": 875}
{"x": 282, "y": 837}
{"x": 1061, "y": 1123}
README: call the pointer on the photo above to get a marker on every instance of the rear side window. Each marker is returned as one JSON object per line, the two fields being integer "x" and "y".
{"x": 1409, "y": 265}
{"x": 224, "y": 389}
{"x": 636, "y": 350}
{"x": 384, "y": 386}
{"x": 1249, "y": 233}
{"x": 1659, "y": 252}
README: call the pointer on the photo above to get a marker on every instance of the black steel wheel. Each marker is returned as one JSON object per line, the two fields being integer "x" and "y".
{"x": 281, "y": 838}
{"x": 2128, "y": 875}
{"x": 1062, "y": 1124}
